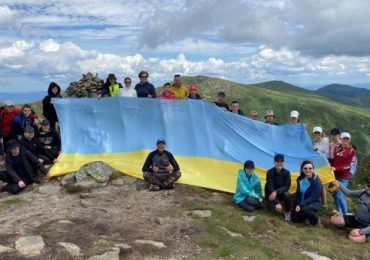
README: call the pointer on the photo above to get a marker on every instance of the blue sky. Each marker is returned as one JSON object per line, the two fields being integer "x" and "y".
{"x": 306, "y": 42}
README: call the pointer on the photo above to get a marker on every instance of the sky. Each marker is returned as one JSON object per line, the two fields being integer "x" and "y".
{"x": 306, "y": 42}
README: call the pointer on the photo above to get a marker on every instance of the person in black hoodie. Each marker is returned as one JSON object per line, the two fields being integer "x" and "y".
{"x": 47, "y": 107}
{"x": 49, "y": 138}
{"x": 308, "y": 195}
{"x": 33, "y": 145}
{"x": 277, "y": 187}
{"x": 160, "y": 168}
{"x": 20, "y": 168}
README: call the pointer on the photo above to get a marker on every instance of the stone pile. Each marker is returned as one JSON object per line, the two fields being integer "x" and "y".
{"x": 88, "y": 86}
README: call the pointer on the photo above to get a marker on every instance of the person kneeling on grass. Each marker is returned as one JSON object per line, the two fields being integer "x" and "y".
{"x": 160, "y": 168}
{"x": 307, "y": 200}
{"x": 361, "y": 220}
{"x": 20, "y": 167}
{"x": 248, "y": 193}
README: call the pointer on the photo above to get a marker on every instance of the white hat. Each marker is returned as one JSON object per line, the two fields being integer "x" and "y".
{"x": 9, "y": 103}
{"x": 345, "y": 135}
{"x": 317, "y": 129}
{"x": 294, "y": 113}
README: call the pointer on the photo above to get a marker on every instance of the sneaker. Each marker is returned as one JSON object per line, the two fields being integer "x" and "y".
{"x": 153, "y": 187}
{"x": 287, "y": 215}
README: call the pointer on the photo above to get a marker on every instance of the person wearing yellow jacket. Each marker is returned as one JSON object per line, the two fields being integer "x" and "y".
{"x": 179, "y": 91}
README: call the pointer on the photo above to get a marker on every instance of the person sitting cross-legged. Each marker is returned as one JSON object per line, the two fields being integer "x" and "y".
{"x": 20, "y": 167}
{"x": 160, "y": 168}
{"x": 248, "y": 193}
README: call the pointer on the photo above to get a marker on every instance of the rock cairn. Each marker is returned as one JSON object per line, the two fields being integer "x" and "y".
{"x": 88, "y": 86}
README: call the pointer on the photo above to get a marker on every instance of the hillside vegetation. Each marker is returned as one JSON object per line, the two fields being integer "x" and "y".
{"x": 281, "y": 97}
{"x": 345, "y": 94}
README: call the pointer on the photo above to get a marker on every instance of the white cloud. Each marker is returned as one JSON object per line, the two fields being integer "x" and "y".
{"x": 49, "y": 46}
{"x": 18, "y": 49}
{"x": 6, "y": 15}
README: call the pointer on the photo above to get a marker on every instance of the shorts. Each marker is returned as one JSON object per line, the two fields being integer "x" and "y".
{"x": 352, "y": 222}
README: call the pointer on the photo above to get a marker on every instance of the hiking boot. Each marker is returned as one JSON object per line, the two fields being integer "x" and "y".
{"x": 153, "y": 187}
{"x": 287, "y": 215}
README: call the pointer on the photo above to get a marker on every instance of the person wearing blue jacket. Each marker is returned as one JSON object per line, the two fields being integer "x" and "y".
{"x": 308, "y": 195}
{"x": 248, "y": 193}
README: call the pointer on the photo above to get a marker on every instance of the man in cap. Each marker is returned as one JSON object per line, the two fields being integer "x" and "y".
{"x": 253, "y": 115}
{"x": 49, "y": 138}
{"x": 344, "y": 159}
{"x": 20, "y": 168}
{"x": 277, "y": 187}
{"x": 33, "y": 145}
{"x": 360, "y": 221}
{"x": 178, "y": 89}
{"x": 160, "y": 168}
{"x": 220, "y": 101}
{"x": 111, "y": 87}
{"x": 294, "y": 117}
{"x": 270, "y": 117}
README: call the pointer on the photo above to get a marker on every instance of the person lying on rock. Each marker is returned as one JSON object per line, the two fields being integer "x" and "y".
{"x": 360, "y": 221}
{"x": 160, "y": 168}
{"x": 20, "y": 167}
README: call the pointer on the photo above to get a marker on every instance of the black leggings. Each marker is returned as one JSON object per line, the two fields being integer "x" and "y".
{"x": 250, "y": 204}
{"x": 305, "y": 213}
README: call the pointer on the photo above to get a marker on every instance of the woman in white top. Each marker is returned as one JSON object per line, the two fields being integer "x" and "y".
{"x": 320, "y": 142}
{"x": 127, "y": 90}
{"x": 321, "y": 145}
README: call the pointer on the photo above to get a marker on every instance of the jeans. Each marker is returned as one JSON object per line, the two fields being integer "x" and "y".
{"x": 340, "y": 202}
{"x": 250, "y": 204}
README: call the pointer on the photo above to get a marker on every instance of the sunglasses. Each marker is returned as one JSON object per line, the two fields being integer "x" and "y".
{"x": 307, "y": 168}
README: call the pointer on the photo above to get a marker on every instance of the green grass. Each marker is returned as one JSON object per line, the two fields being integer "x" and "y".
{"x": 268, "y": 237}
{"x": 10, "y": 202}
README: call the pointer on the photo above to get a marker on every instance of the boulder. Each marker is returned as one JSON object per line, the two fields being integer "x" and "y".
{"x": 88, "y": 86}
{"x": 5, "y": 249}
{"x": 112, "y": 255}
{"x": 93, "y": 174}
{"x": 73, "y": 249}
{"x": 152, "y": 243}
{"x": 67, "y": 179}
{"x": 202, "y": 213}
{"x": 30, "y": 245}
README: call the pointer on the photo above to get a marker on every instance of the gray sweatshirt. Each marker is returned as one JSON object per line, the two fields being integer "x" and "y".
{"x": 363, "y": 208}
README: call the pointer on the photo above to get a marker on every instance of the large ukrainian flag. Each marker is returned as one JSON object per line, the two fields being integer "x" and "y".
{"x": 209, "y": 144}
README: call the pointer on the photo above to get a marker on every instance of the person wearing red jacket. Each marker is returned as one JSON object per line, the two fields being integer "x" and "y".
{"x": 344, "y": 158}
{"x": 7, "y": 115}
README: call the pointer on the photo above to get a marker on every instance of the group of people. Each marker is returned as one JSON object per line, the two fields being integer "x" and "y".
{"x": 307, "y": 201}
{"x": 28, "y": 146}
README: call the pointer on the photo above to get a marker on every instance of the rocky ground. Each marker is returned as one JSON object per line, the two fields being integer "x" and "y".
{"x": 120, "y": 219}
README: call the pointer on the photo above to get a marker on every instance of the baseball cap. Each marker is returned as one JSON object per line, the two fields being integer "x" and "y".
{"x": 249, "y": 164}
{"x": 8, "y": 103}
{"x": 111, "y": 76}
{"x": 161, "y": 140}
{"x": 294, "y": 113}
{"x": 28, "y": 129}
{"x": 345, "y": 135}
{"x": 45, "y": 122}
{"x": 279, "y": 157}
{"x": 317, "y": 129}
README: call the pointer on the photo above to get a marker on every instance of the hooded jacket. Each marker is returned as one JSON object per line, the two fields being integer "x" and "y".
{"x": 35, "y": 147}
{"x": 47, "y": 107}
